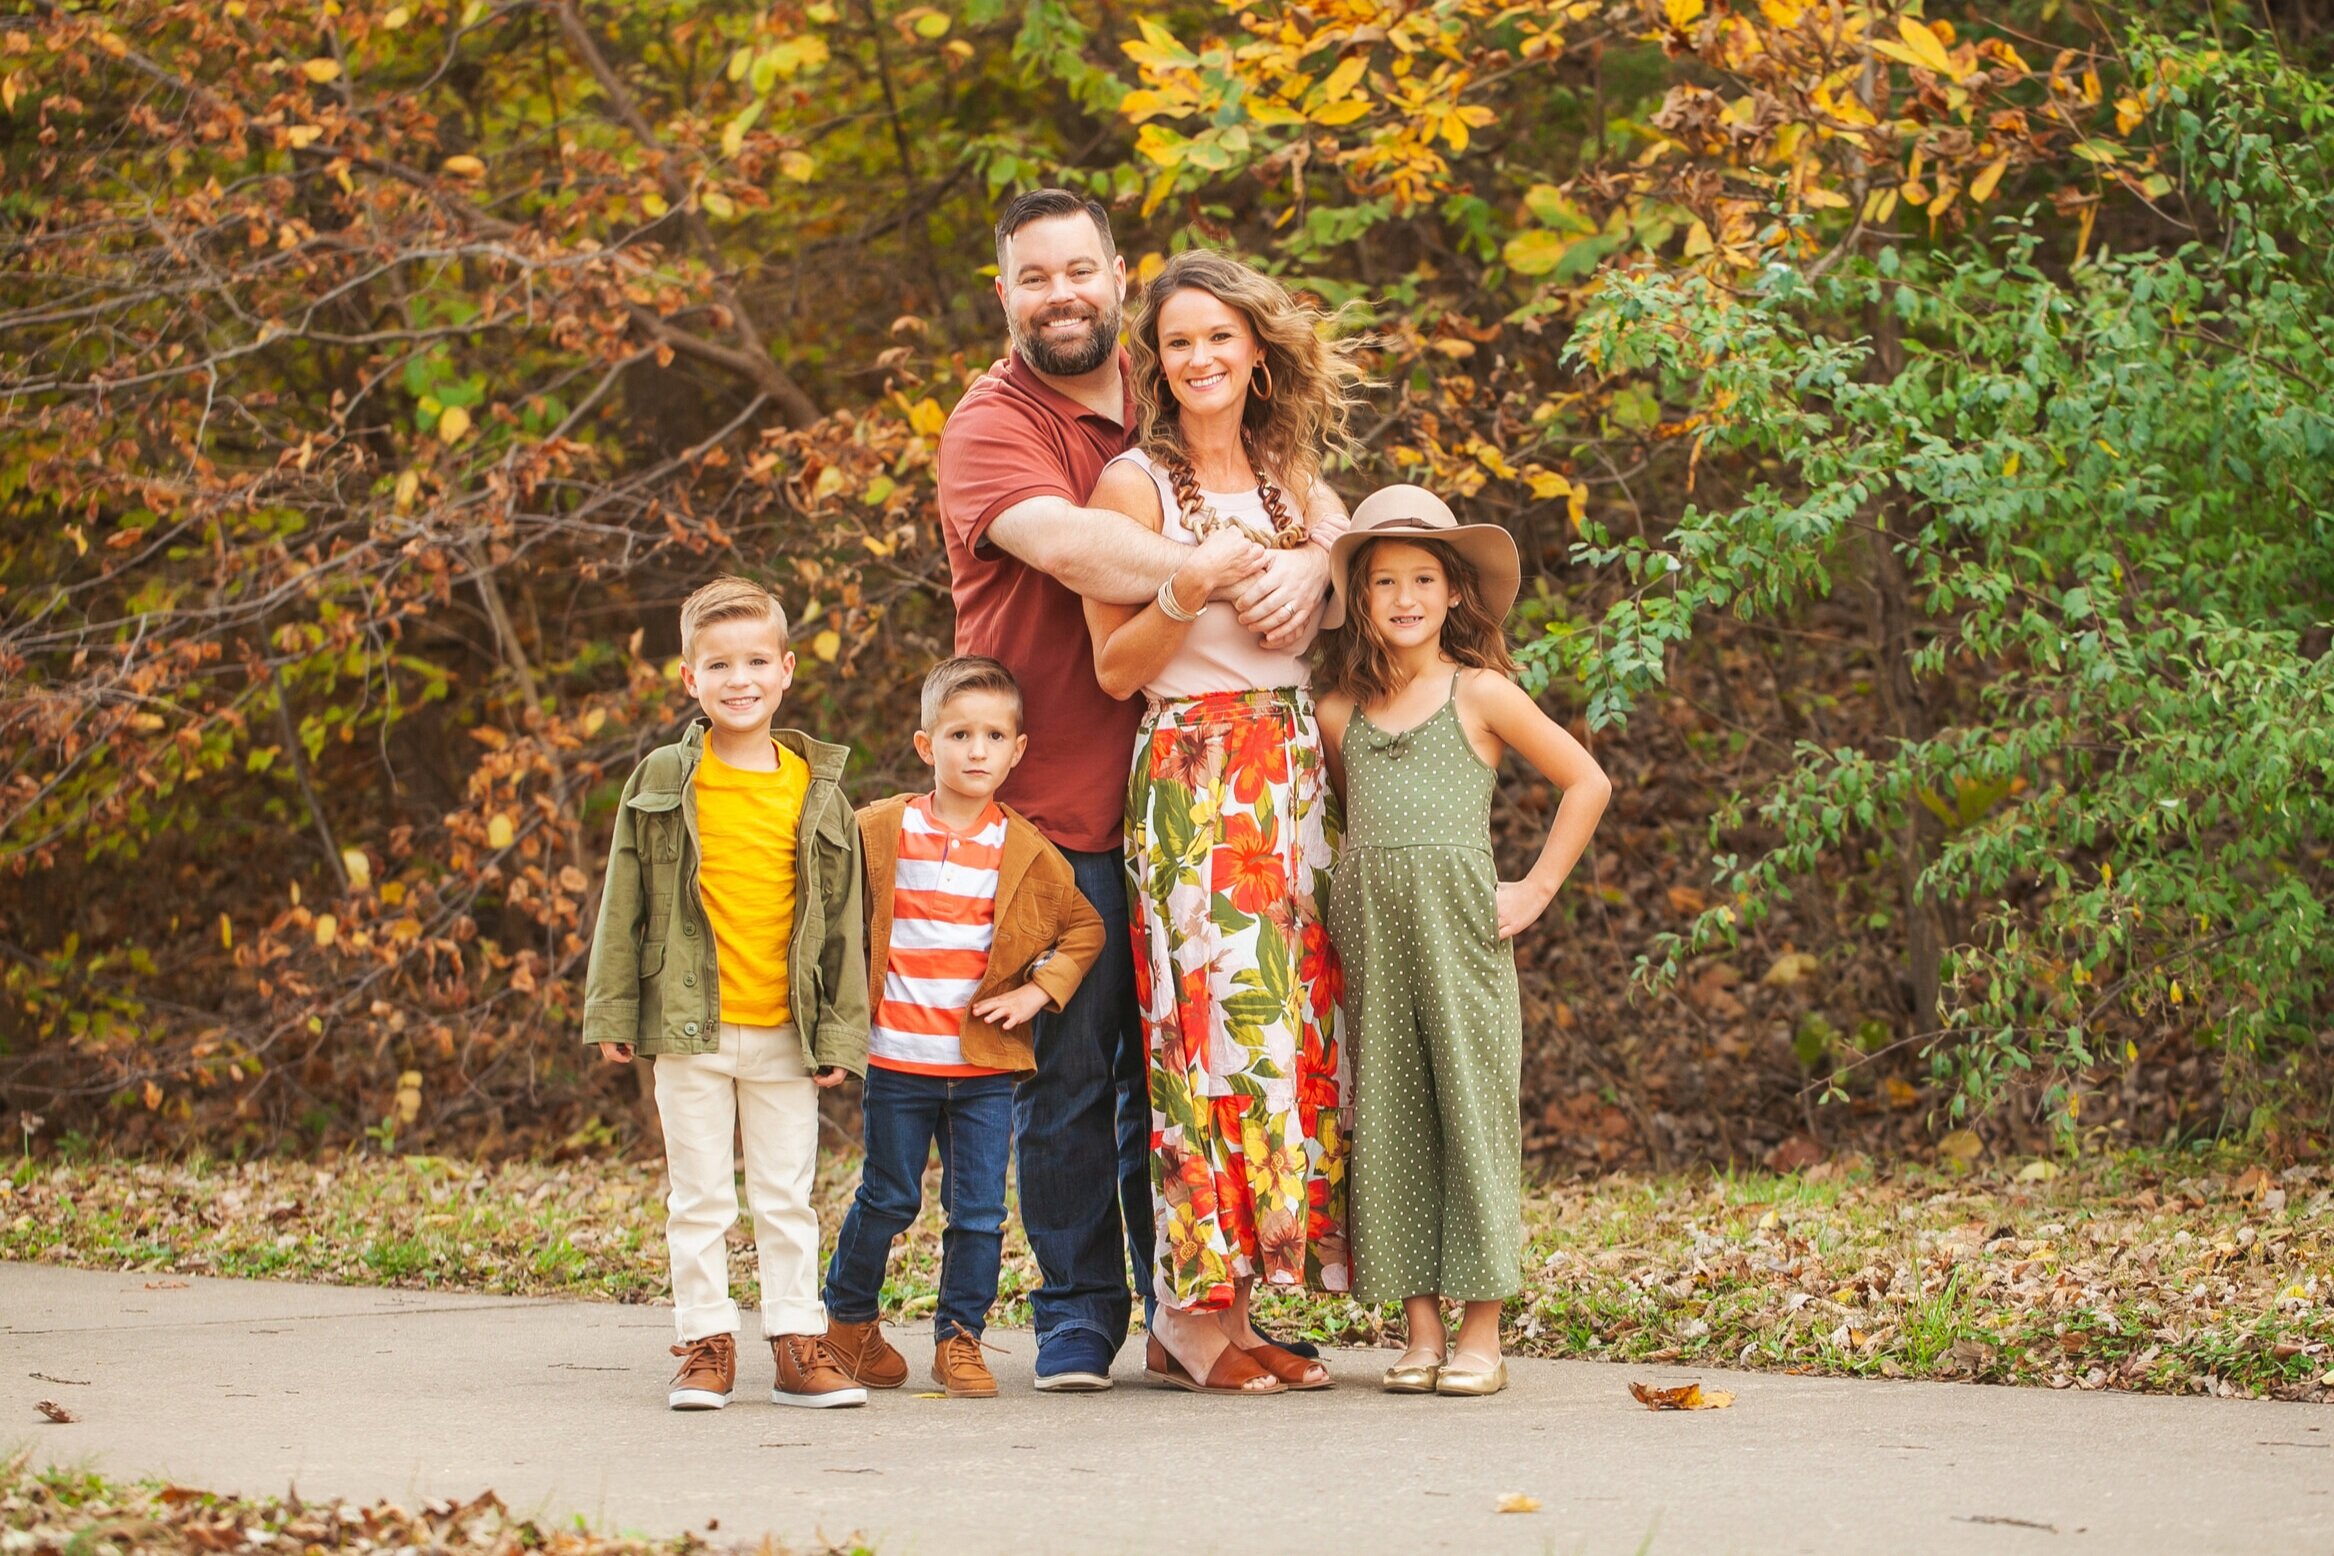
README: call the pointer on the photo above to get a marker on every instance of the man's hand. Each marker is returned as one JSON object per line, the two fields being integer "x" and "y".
{"x": 1278, "y": 603}
{"x": 1011, "y": 1009}
{"x": 616, "y": 1053}
{"x": 828, "y": 1078}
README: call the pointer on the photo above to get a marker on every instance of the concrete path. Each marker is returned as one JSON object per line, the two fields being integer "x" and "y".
{"x": 559, "y": 1406}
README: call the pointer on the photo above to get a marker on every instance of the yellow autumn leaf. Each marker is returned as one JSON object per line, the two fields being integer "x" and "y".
{"x": 797, "y": 165}
{"x": 1341, "y": 113}
{"x": 499, "y": 830}
{"x": 927, "y": 417}
{"x": 2129, "y": 111}
{"x": 1516, "y": 1502}
{"x": 1782, "y": 13}
{"x": 1926, "y": 45}
{"x": 300, "y": 136}
{"x": 453, "y": 425}
{"x": 1981, "y": 188}
{"x": 1343, "y": 79}
{"x": 717, "y": 204}
{"x": 1683, "y": 13}
{"x": 1698, "y": 240}
{"x": 359, "y": 866}
{"x": 10, "y": 85}
{"x": 2010, "y": 465}
{"x": 395, "y": 17}
{"x": 226, "y": 933}
{"x": 321, "y": 70}
{"x": 463, "y": 166}
{"x": 408, "y": 487}
{"x": 827, "y": 645}
{"x": 327, "y": 930}
{"x": 1454, "y": 131}
{"x": 1817, "y": 198}
{"x": 1962, "y": 1147}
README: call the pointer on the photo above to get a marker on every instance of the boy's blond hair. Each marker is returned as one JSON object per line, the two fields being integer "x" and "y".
{"x": 952, "y": 678}
{"x": 728, "y": 598}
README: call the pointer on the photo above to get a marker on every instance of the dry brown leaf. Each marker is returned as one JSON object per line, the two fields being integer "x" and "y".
{"x": 1517, "y": 1502}
{"x": 56, "y": 1412}
{"x": 166, "y": 1285}
{"x": 1688, "y": 1396}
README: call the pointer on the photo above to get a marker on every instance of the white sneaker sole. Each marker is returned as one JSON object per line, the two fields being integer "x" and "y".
{"x": 696, "y": 1399}
{"x": 1073, "y": 1383}
{"x": 834, "y": 1399}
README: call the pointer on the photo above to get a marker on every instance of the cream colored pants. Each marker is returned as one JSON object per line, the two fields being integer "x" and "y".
{"x": 754, "y": 1085}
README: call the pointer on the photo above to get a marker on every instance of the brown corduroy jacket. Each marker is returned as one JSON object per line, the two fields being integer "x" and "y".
{"x": 1047, "y": 933}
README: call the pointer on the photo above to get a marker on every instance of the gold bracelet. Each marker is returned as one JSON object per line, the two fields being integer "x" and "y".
{"x": 1172, "y": 608}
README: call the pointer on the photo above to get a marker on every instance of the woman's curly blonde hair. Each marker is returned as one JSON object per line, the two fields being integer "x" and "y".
{"x": 1317, "y": 382}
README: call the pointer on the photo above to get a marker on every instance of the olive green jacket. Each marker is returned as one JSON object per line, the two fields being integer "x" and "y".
{"x": 652, "y": 981}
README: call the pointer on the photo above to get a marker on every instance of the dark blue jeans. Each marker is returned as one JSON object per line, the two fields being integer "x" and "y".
{"x": 1082, "y": 1131}
{"x": 971, "y": 1119}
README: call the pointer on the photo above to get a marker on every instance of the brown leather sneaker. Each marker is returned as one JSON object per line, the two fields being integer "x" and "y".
{"x": 809, "y": 1375}
{"x": 863, "y": 1352}
{"x": 958, "y": 1368}
{"x": 708, "y": 1373}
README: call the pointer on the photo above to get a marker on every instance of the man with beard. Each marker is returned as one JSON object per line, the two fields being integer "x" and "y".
{"x": 1020, "y": 454}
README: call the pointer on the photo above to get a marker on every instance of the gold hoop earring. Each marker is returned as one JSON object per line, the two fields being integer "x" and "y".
{"x": 1264, "y": 371}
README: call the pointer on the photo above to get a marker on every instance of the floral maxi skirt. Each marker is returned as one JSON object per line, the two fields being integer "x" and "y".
{"x": 1228, "y": 852}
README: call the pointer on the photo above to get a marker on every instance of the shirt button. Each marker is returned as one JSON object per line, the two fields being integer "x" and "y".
{"x": 689, "y": 928}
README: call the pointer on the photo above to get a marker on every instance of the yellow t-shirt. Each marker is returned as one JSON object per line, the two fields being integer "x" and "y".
{"x": 746, "y": 825}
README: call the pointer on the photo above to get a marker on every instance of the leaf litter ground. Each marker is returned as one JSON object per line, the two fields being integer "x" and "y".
{"x": 2172, "y": 1273}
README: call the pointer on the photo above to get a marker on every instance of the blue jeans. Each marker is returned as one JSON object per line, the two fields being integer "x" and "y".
{"x": 1082, "y": 1130}
{"x": 971, "y": 1119}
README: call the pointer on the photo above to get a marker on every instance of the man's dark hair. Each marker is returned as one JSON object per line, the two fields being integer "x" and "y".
{"x": 1040, "y": 204}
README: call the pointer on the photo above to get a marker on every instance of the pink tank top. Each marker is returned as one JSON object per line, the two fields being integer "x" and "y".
{"x": 1217, "y": 653}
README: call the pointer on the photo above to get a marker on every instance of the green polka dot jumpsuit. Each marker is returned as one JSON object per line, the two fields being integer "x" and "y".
{"x": 1434, "y": 1017}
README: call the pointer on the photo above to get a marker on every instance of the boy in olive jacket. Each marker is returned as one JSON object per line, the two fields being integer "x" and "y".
{"x": 730, "y": 952}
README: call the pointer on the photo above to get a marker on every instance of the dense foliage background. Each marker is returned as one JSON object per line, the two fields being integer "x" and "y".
{"x": 1916, "y": 415}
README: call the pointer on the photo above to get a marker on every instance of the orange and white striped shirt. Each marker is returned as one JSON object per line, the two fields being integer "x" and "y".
{"x": 943, "y": 921}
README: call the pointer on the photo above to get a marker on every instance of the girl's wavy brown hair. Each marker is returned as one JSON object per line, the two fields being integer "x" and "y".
{"x": 1356, "y": 659}
{"x": 1316, "y": 382}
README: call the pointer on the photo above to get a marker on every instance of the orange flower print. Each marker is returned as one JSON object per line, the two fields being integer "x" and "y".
{"x": 1248, "y": 1156}
{"x": 1246, "y": 866}
{"x": 1257, "y": 757}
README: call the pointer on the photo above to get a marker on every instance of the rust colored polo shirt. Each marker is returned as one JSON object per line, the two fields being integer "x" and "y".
{"x": 1013, "y": 437}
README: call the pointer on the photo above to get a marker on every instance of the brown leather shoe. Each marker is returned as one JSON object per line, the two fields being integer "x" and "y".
{"x": 708, "y": 1373}
{"x": 809, "y": 1375}
{"x": 863, "y": 1352}
{"x": 958, "y": 1368}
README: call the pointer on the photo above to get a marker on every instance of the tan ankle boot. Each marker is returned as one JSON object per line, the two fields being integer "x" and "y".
{"x": 808, "y": 1374}
{"x": 959, "y": 1370}
{"x": 865, "y": 1354}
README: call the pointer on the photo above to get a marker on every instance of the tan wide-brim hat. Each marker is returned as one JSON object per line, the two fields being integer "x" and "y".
{"x": 1414, "y": 513}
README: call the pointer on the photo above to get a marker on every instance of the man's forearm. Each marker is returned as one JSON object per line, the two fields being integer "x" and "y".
{"x": 1093, "y": 552}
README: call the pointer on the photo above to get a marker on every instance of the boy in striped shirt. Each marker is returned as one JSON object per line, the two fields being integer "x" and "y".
{"x": 975, "y": 924}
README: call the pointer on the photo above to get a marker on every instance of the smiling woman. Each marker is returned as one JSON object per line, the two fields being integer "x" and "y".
{"x": 1227, "y": 837}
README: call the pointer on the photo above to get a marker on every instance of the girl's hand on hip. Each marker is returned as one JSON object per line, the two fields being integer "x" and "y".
{"x": 1520, "y": 906}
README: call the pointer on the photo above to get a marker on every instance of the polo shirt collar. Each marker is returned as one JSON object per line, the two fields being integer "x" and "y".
{"x": 1029, "y": 381}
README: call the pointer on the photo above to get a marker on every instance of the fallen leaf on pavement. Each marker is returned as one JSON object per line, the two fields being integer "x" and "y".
{"x": 55, "y": 1412}
{"x": 934, "y": 1395}
{"x": 1517, "y": 1502}
{"x": 1689, "y": 1396}
{"x": 166, "y": 1285}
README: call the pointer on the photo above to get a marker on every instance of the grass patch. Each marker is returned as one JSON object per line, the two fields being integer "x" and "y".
{"x": 2160, "y": 1273}
{"x": 84, "y": 1515}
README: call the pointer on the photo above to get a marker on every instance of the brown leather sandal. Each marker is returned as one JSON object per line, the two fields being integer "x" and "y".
{"x": 1234, "y": 1370}
{"x": 1290, "y": 1368}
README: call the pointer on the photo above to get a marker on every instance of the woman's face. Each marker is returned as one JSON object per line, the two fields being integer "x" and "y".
{"x": 1406, "y": 594}
{"x": 1207, "y": 351}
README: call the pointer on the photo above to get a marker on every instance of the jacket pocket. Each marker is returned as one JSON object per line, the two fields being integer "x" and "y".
{"x": 652, "y": 987}
{"x": 656, "y": 831}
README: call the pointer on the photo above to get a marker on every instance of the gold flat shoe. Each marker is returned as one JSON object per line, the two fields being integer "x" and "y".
{"x": 1415, "y": 1378}
{"x": 1472, "y": 1380}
